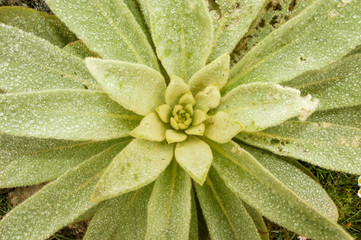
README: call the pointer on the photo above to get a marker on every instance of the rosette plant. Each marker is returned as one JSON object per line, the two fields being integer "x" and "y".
{"x": 139, "y": 118}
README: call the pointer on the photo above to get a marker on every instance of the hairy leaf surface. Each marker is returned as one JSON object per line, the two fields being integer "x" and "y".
{"x": 347, "y": 116}
{"x": 41, "y": 24}
{"x": 139, "y": 164}
{"x": 169, "y": 208}
{"x": 224, "y": 212}
{"x": 323, "y": 144}
{"x": 228, "y": 28}
{"x": 79, "y": 49}
{"x": 108, "y": 28}
{"x": 260, "y": 105}
{"x": 124, "y": 217}
{"x": 29, "y": 63}
{"x": 64, "y": 200}
{"x": 337, "y": 85}
{"x": 65, "y": 114}
{"x": 134, "y": 86}
{"x": 27, "y": 161}
{"x": 246, "y": 177}
{"x": 296, "y": 180}
{"x": 182, "y": 34}
{"x": 321, "y": 34}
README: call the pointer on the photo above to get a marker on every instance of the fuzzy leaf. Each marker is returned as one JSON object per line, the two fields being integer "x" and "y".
{"x": 195, "y": 156}
{"x": 323, "y": 33}
{"x": 108, "y": 28}
{"x": 214, "y": 73}
{"x": 337, "y": 85}
{"x": 79, "y": 49}
{"x": 124, "y": 217}
{"x": 231, "y": 23}
{"x": 258, "y": 222}
{"x": 139, "y": 164}
{"x": 134, "y": 86}
{"x": 65, "y": 199}
{"x": 135, "y": 8}
{"x": 176, "y": 89}
{"x": 182, "y": 34}
{"x": 29, "y": 63}
{"x": 193, "y": 229}
{"x": 347, "y": 116}
{"x": 260, "y": 105}
{"x": 150, "y": 128}
{"x": 169, "y": 207}
{"x": 221, "y": 128}
{"x": 296, "y": 180}
{"x": 27, "y": 161}
{"x": 224, "y": 212}
{"x": 41, "y": 24}
{"x": 326, "y": 145}
{"x": 250, "y": 181}
{"x": 65, "y": 114}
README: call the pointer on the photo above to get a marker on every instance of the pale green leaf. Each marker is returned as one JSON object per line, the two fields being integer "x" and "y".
{"x": 337, "y": 85}
{"x": 258, "y": 222}
{"x": 173, "y": 136}
{"x": 29, "y": 63}
{"x": 194, "y": 156}
{"x": 135, "y": 8}
{"x": 108, "y": 28}
{"x": 193, "y": 229}
{"x": 59, "y": 203}
{"x": 296, "y": 180}
{"x": 221, "y": 128}
{"x": 323, "y": 144}
{"x": 214, "y": 73}
{"x": 150, "y": 128}
{"x": 124, "y": 217}
{"x": 262, "y": 190}
{"x": 79, "y": 49}
{"x": 182, "y": 34}
{"x": 65, "y": 114}
{"x": 139, "y": 164}
{"x": 176, "y": 89}
{"x": 134, "y": 86}
{"x": 224, "y": 212}
{"x": 321, "y": 34}
{"x": 169, "y": 207}
{"x": 27, "y": 161}
{"x": 41, "y": 24}
{"x": 347, "y": 116}
{"x": 231, "y": 23}
{"x": 208, "y": 99}
{"x": 260, "y": 105}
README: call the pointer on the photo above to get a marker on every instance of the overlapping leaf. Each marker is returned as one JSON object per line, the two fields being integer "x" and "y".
{"x": 65, "y": 114}
{"x": 139, "y": 164}
{"x": 337, "y": 85}
{"x": 267, "y": 194}
{"x": 323, "y": 33}
{"x": 26, "y": 161}
{"x": 29, "y": 63}
{"x": 169, "y": 208}
{"x": 260, "y": 105}
{"x": 65, "y": 199}
{"x": 79, "y": 49}
{"x": 347, "y": 116}
{"x": 124, "y": 217}
{"x": 182, "y": 34}
{"x": 323, "y": 144}
{"x": 224, "y": 212}
{"x": 134, "y": 86}
{"x": 41, "y": 24}
{"x": 108, "y": 28}
{"x": 228, "y": 29}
